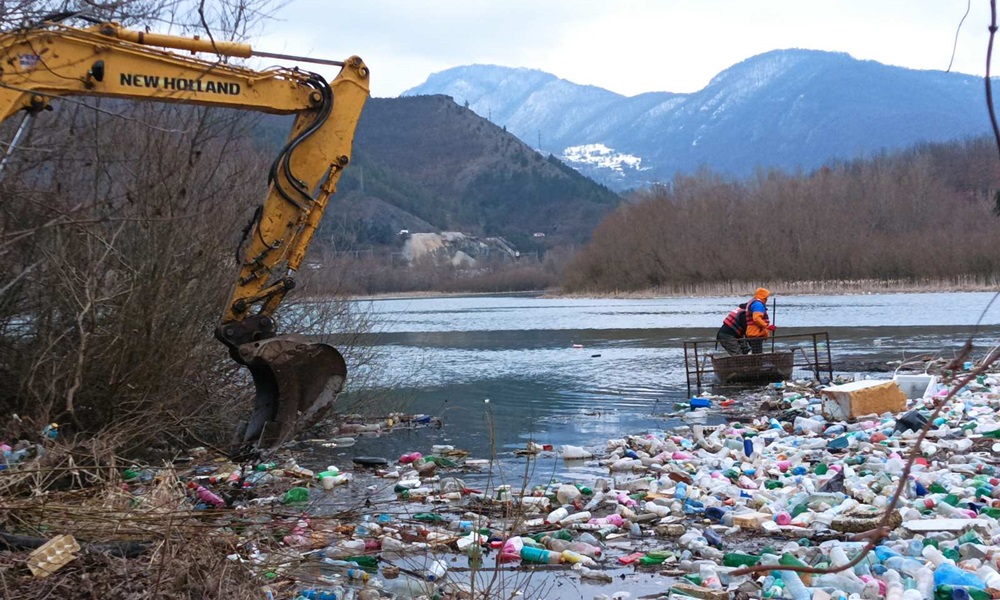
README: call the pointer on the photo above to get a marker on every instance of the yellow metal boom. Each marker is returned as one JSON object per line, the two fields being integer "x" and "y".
{"x": 54, "y": 60}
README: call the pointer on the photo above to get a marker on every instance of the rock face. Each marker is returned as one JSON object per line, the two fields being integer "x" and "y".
{"x": 456, "y": 248}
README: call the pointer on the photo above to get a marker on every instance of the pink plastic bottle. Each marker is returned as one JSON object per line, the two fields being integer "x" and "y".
{"x": 511, "y": 550}
{"x": 410, "y": 457}
{"x": 206, "y": 495}
{"x": 612, "y": 519}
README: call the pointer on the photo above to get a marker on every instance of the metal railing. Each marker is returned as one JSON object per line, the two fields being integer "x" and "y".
{"x": 787, "y": 356}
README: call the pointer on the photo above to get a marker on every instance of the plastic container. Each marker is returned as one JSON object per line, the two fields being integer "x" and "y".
{"x": 208, "y": 497}
{"x": 575, "y": 453}
{"x": 538, "y": 555}
{"x": 436, "y": 570}
{"x": 794, "y": 588}
{"x": 948, "y": 574}
{"x": 567, "y": 494}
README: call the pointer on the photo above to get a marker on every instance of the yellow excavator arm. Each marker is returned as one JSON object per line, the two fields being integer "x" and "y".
{"x": 297, "y": 380}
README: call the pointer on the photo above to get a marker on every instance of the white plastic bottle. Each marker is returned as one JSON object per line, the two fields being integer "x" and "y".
{"x": 925, "y": 582}
{"x": 436, "y": 570}
{"x": 935, "y": 556}
{"x": 794, "y": 586}
{"x": 557, "y": 515}
{"x": 894, "y": 585}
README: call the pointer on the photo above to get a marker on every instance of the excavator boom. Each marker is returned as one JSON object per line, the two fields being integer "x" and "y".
{"x": 297, "y": 380}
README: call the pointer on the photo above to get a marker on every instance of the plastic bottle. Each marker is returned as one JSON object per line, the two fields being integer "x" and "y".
{"x": 537, "y": 555}
{"x": 790, "y": 560}
{"x": 681, "y": 491}
{"x": 989, "y": 576}
{"x": 586, "y": 549}
{"x": 436, "y": 570}
{"x": 894, "y": 585}
{"x": 296, "y": 494}
{"x": 428, "y": 518}
{"x": 579, "y": 517}
{"x": 934, "y": 555}
{"x": 612, "y": 519}
{"x": 573, "y": 558}
{"x": 738, "y": 559}
{"x": 567, "y": 494}
{"x": 332, "y": 481}
{"x": 593, "y": 574}
{"x": 557, "y": 515}
{"x": 709, "y": 577}
{"x": 794, "y": 587}
{"x": 904, "y": 565}
{"x": 840, "y": 581}
{"x": 207, "y": 496}
{"x": 345, "y": 548}
{"x": 511, "y": 550}
{"x": 575, "y": 453}
{"x": 948, "y": 574}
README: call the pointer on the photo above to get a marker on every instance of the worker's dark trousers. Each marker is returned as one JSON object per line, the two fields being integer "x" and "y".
{"x": 756, "y": 345}
{"x": 732, "y": 344}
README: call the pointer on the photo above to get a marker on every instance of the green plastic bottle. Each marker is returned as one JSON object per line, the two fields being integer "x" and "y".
{"x": 738, "y": 559}
{"x": 296, "y": 494}
{"x": 937, "y": 488}
{"x": 821, "y": 469}
{"x": 365, "y": 562}
{"x": 428, "y": 518}
{"x": 655, "y": 557}
{"x": 970, "y": 537}
{"x": 989, "y": 511}
{"x": 773, "y": 484}
{"x": 947, "y": 592}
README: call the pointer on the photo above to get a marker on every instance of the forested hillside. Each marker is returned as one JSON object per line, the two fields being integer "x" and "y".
{"x": 923, "y": 213}
{"x": 428, "y": 164}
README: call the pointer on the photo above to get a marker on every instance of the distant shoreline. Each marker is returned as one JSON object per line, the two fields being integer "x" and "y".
{"x": 800, "y": 288}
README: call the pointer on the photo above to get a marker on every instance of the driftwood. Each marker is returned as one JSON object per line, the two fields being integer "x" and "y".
{"x": 13, "y": 542}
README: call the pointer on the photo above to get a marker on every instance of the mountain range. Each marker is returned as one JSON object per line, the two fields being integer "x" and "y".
{"x": 425, "y": 164}
{"x": 788, "y": 109}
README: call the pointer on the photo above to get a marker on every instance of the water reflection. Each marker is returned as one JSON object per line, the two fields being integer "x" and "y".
{"x": 447, "y": 356}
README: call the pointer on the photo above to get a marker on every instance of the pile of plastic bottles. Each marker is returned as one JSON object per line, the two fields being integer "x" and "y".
{"x": 786, "y": 490}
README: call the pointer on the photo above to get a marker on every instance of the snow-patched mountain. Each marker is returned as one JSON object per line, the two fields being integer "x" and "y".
{"x": 788, "y": 109}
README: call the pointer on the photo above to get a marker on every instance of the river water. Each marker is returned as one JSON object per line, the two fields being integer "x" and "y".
{"x": 580, "y": 371}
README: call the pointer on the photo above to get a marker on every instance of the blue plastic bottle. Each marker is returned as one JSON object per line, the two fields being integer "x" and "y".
{"x": 681, "y": 491}
{"x": 948, "y": 574}
{"x": 884, "y": 552}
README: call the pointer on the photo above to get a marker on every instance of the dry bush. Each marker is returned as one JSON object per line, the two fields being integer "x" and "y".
{"x": 119, "y": 225}
{"x": 923, "y": 214}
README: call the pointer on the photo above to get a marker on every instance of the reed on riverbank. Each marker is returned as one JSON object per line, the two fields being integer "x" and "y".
{"x": 959, "y": 283}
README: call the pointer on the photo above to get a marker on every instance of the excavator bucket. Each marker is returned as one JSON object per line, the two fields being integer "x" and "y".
{"x": 297, "y": 382}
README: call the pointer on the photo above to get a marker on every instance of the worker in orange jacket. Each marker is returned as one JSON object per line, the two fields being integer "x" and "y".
{"x": 759, "y": 327}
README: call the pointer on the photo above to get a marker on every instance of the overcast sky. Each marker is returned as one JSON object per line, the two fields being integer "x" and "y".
{"x": 627, "y": 46}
